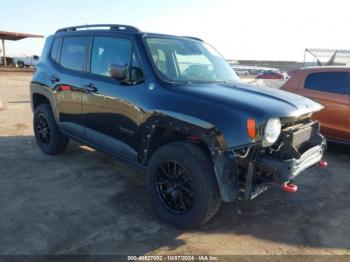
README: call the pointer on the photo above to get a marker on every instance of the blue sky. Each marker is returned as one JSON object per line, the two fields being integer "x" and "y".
{"x": 240, "y": 29}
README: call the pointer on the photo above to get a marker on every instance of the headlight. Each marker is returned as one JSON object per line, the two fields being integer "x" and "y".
{"x": 272, "y": 131}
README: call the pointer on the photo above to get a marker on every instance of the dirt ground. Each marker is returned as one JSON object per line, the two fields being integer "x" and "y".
{"x": 86, "y": 202}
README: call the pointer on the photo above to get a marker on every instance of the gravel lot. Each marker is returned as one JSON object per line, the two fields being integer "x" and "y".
{"x": 86, "y": 202}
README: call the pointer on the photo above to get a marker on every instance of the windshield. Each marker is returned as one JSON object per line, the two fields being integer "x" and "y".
{"x": 187, "y": 60}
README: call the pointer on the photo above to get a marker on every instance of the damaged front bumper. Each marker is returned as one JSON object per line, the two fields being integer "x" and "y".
{"x": 247, "y": 172}
{"x": 286, "y": 170}
{"x": 300, "y": 147}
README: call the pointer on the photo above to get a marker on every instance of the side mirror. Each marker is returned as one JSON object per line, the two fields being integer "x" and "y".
{"x": 119, "y": 72}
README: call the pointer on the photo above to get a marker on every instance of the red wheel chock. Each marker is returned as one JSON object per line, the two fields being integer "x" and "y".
{"x": 323, "y": 164}
{"x": 289, "y": 187}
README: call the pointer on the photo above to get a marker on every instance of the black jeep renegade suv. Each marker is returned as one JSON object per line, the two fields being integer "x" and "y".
{"x": 172, "y": 106}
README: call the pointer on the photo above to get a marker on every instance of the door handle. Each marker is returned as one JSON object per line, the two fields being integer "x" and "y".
{"x": 90, "y": 87}
{"x": 54, "y": 79}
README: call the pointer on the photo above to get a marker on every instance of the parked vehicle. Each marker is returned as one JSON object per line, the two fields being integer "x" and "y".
{"x": 173, "y": 107}
{"x": 27, "y": 61}
{"x": 241, "y": 71}
{"x": 9, "y": 61}
{"x": 329, "y": 86}
{"x": 271, "y": 75}
{"x": 291, "y": 72}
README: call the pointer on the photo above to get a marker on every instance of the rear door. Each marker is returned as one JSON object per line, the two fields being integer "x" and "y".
{"x": 69, "y": 55}
{"x": 331, "y": 89}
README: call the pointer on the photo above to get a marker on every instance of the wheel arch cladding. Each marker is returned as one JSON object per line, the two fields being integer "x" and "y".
{"x": 39, "y": 99}
{"x": 155, "y": 129}
{"x": 37, "y": 90}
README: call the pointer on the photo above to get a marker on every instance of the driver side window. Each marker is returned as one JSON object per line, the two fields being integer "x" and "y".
{"x": 107, "y": 51}
{"x": 113, "y": 50}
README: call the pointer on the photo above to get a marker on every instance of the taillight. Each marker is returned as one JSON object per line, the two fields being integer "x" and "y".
{"x": 65, "y": 88}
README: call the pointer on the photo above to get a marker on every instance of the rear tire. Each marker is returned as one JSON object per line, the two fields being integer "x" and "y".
{"x": 185, "y": 162}
{"x": 47, "y": 135}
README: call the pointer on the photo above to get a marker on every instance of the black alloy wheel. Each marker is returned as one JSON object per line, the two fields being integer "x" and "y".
{"x": 43, "y": 129}
{"x": 47, "y": 134}
{"x": 182, "y": 184}
{"x": 174, "y": 187}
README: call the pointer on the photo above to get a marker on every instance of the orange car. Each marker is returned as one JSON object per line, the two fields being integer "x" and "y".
{"x": 330, "y": 86}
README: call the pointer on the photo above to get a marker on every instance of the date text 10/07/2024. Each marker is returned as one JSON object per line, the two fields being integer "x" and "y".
{"x": 173, "y": 258}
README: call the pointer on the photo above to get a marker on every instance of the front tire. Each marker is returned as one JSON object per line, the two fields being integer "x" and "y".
{"x": 47, "y": 135}
{"x": 182, "y": 185}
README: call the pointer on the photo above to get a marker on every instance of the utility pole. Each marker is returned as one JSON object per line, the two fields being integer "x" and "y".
{"x": 4, "y": 52}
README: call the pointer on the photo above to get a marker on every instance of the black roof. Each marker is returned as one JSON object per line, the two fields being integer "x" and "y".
{"x": 114, "y": 27}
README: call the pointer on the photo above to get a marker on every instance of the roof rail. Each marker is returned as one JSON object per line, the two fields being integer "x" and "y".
{"x": 117, "y": 27}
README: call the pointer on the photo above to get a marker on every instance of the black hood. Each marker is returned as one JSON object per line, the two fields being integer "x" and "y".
{"x": 267, "y": 101}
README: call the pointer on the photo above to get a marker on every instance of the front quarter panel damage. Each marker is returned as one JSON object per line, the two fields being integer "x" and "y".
{"x": 206, "y": 133}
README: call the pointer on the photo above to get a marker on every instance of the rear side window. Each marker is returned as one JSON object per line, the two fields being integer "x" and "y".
{"x": 331, "y": 82}
{"x": 54, "y": 49}
{"x": 107, "y": 51}
{"x": 74, "y": 52}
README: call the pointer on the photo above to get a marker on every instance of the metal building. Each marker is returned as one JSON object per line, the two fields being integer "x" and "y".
{"x": 13, "y": 36}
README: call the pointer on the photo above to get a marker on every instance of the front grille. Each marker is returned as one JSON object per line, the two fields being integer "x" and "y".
{"x": 302, "y": 135}
{"x": 291, "y": 121}
{"x": 295, "y": 139}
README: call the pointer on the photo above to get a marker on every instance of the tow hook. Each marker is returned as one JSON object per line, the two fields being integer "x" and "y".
{"x": 289, "y": 187}
{"x": 323, "y": 164}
